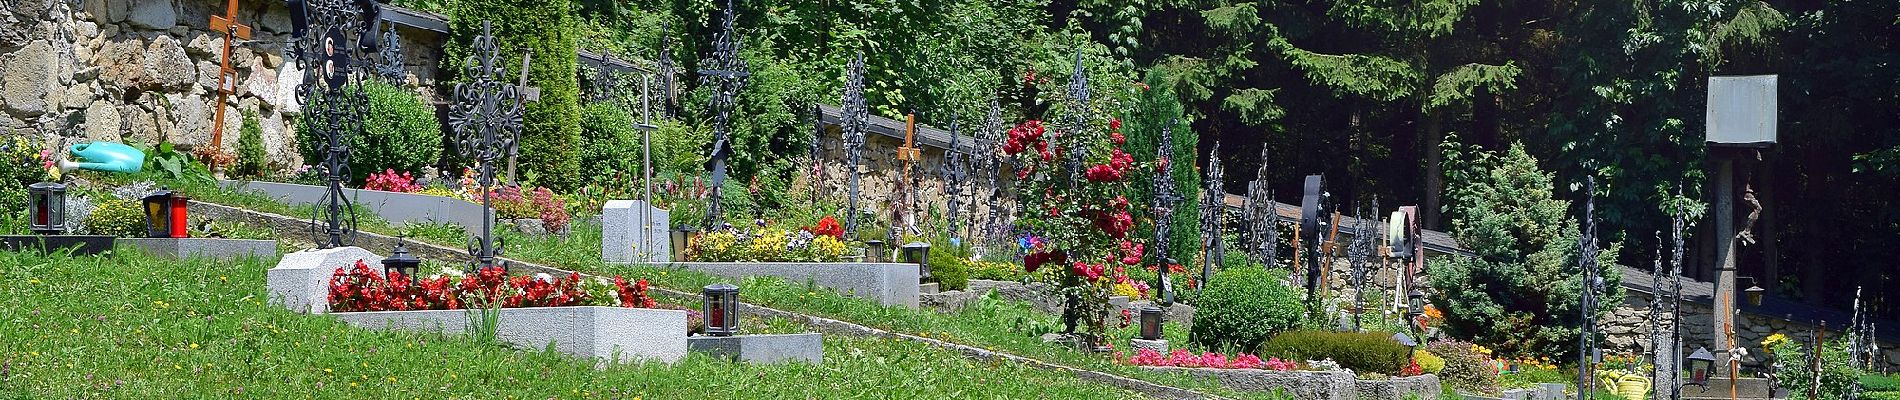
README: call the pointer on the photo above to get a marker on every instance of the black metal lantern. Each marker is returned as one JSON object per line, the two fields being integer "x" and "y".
{"x": 1700, "y": 364}
{"x": 721, "y": 309}
{"x": 918, "y": 253}
{"x": 47, "y": 208}
{"x": 1151, "y": 323}
{"x": 165, "y": 213}
{"x": 1754, "y": 293}
{"x": 874, "y": 251}
{"x": 401, "y": 262}
{"x": 1415, "y": 302}
{"x": 681, "y": 243}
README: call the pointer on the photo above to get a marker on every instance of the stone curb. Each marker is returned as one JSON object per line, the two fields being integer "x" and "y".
{"x": 282, "y": 223}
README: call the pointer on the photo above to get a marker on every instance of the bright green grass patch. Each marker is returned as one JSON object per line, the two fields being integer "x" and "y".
{"x": 126, "y": 325}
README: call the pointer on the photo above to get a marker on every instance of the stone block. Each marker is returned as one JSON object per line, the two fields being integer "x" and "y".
{"x": 1159, "y": 346}
{"x": 301, "y": 280}
{"x": 890, "y": 284}
{"x": 633, "y": 231}
{"x": 1305, "y": 385}
{"x": 762, "y": 349}
{"x": 930, "y": 288}
{"x": 28, "y": 80}
{"x": 402, "y": 208}
{"x": 80, "y": 244}
{"x": 153, "y": 14}
{"x": 610, "y": 334}
{"x": 1426, "y": 387}
{"x": 213, "y": 248}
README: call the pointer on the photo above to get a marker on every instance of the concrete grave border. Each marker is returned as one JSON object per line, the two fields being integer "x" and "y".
{"x": 890, "y": 284}
{"x": 212, "y": 248}
{"x": 400, "y": 208}
{"x": 610, "y": 334}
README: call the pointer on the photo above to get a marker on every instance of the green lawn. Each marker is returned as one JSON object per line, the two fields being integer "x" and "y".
{"x": 129, "y": 326}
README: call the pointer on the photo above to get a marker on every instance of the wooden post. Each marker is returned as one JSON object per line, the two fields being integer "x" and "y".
{"x": 227, "y": 76}
{"x": 1724, "y": 318}
{"x": 526, "y": 94}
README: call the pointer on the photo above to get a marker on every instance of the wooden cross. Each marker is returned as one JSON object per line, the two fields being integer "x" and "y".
{"x": 910, "y": 154}
{"x": 227, "y": 76}
{"x": 524, "y": 94}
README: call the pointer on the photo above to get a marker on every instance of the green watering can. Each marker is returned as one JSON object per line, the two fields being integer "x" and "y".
{"x": 104, "y": 156}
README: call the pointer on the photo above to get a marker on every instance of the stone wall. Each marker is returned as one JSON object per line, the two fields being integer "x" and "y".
{"x": 146, "y": 71}
{"x": 1628, "y": 328}
{"x": 880, "y": 170}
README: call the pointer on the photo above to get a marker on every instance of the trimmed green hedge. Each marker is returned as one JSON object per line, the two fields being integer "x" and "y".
{"x": 1243, "y": 307}
{"x": 551, "y": 130}
{"x": 1358, "y": 351}
{"x": 400, "y": 132}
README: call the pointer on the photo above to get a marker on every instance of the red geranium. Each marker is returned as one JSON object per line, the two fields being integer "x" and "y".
{"x": 827, "y": 226}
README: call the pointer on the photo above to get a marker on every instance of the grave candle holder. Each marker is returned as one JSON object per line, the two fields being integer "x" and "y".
{"x": 918, "y": 253}
{"x": 721, "y": 309}
{"x": 47, "y": 206}
{"x": 165, "y": 215}
{"x": 401, "y": 262}
{"x": 1151, "y": 323}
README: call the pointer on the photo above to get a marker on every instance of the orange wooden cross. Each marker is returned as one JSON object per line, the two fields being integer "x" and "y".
{"x": 910, "y": 154}
{"x": 227, "y": 76}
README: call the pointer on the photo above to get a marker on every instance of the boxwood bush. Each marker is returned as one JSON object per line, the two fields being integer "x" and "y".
{"x": 400, "y": 132}
{"x": 1358, "y": 351}
{"x": 1243, "y": 307}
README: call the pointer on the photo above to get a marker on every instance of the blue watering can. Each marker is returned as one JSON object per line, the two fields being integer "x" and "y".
{"x": 104, "y": 156}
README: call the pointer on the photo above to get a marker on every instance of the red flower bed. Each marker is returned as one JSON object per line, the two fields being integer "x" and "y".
{"x": 365, "y": 289}
{"x": 1186, "y": 359}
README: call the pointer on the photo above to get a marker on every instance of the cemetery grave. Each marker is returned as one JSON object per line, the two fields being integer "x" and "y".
{"x": 529, "y": 200}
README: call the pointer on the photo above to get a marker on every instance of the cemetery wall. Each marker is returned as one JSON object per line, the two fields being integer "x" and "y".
{"x": 881, "y": 171}
{"x": 147, "y": 71}
{"x": 1628, "y": 328}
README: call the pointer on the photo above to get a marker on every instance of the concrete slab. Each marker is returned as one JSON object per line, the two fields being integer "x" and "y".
{"x": 763, "y": 349}
{"x": 890, "y": 284}
{"x": 301, "y": 280}
{"x": 213, "y": 248}
{"x": 610, "y": 334}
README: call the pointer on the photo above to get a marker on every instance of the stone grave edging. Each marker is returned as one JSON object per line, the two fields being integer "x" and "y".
{"x": 282, "y": 223}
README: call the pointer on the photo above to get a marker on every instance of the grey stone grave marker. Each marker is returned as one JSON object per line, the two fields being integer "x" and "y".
{"x": 633, "y": 231}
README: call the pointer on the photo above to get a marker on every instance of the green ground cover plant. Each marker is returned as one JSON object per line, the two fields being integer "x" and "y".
{"x": 125, "y": 325}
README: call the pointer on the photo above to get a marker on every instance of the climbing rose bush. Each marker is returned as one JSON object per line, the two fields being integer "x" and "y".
{"x": 1074, "y": 214}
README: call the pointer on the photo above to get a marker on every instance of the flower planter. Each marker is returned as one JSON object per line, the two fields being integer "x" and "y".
{"x": 400, "y": 208}
{"x": 611, "y": 334}
{"x": 889, "y": 284}
{"x": 213, "y": 248}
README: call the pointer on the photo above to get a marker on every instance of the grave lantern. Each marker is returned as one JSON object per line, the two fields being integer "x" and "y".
{"x": 918, "y": 253}
{"x": 401, "y": 262}
{"x": 1415, "y": 303}
{"x": 1151, "y": 323}
{"x": 874, "y": 251}
{"x": 681, "y": 242}
{"x": 165, "y": 215}
{"x": 1754, "y": 293}
{"x": 47, "y": 206}
{"x": 721, "y": 309}
{"x": 1700, "y": 363}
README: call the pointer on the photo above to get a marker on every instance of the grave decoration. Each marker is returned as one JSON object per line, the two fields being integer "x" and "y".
{"x": 1075, "y": 218}
{"x": 392, "y": 69}
{"x": 487, "y": 118}
{"x": 165, "y": 213}
{"x": 1163, "y": 208}
{"x": 47, "y": 219}
{"x": 330, "y": 36}
{"x": 1212, "y": 247}
{"x": 1261, "y": 215}
{"x": 856, "y": 117}
{"x": 726, "y": 73}
{"x": 993, "y": 162}
{"x": 227, "y": 77}
{"x": 721, "y": 309}
{"x": 720, "y": 306}
{"x": 361, "y": 289}
{"x": 955, "y": 175}
{"x": 1587, "y": 355}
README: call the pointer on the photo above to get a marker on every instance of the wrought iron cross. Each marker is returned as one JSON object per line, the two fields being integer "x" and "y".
{"x": 994, "y": 161}
{"x": 1078, "y": 111}
{"x": 325, "y": 48}
{"x": 855, "y": 116}
{"x": 227, "y": 76}
{"x": 604, "y": 86}
{"x": 955, "y": 175}
{"x": 1163, "y": 207}
{"x": 1592, "y": 286}
{"x": 1211, "y": 205}
{"x": 727, "y": 74}
{"x": 1261, "y": 211}
{"x": 392, "y": 69}
{"x": 486, "y": 118}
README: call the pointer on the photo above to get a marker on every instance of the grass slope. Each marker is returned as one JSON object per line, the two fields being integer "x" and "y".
{"x": 126, "y": 325}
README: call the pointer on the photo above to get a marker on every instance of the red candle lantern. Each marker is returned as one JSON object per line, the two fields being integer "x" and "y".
{"x": 165, "y": 215}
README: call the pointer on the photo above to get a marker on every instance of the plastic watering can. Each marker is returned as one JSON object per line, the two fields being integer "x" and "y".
{"x": 104, "y": 156}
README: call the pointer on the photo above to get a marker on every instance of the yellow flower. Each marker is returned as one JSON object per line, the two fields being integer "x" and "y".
{"x": 327, "y": 370}
{"x": 194, "y": 345}
{"x": 1773, "y": 340}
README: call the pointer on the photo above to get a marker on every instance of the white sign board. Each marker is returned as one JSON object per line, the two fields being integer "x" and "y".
{"x": 1742, "y": 110}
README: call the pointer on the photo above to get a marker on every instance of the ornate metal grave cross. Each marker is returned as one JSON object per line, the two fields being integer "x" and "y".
{"x": 1077, "y": 108}
{"x": 855, "y": 116}
{"x": 993, "y": 160}
{"x": 1163, "y": 207}
{"x": 227, "y": 76}
{"x": 1358, "y": 253}
{"x": 603, "y": 86}
{"x": 955, "y": 175}
{"x": 1587, "y": 355}
{"x": 1213, "y": 201}
{"x": 486, "y": 118}
{"x": 1261, "y": 213}
{"x": 328, "y": 38}
{"x": 727, "y": 72}
{"x": 392, "y": 69}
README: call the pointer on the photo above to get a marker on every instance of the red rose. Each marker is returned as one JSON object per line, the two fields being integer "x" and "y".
{"x": 1118, "y": 138}
{"x": 1115, "y": 124}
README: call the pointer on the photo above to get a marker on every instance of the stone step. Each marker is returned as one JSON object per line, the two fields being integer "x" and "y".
{"x": 1745, "y": 388}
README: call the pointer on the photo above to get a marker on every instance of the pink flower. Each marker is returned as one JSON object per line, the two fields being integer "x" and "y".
{"x": 1103, "y": 173}
{"x": 1183, "y": 358}
{"x": 1149, "y": 357}
{"x": 1279, "y": 365}
{"x": 1247, "y": 361}
{"x": 1213, "y": 360}
{"x": 1118, "y": 138}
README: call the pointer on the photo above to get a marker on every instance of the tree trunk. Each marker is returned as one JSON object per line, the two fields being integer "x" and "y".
{"x": 1434, "y": 169}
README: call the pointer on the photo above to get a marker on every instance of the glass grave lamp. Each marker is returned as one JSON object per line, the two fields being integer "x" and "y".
{"x": 721, "y": 309}
{"x": 47, "y": 206}
{"x": 1415, "y": 303}
{"x": 165, "y": 213}
{"x": 874, "y": 251}
{"x": 1151, "y": 323}
{"x": 1754, "y": 292}
{"x": 1700, "y": 363}
{"x": 401, "y": 262}
{"x": 681, "y": 242}
{"x": 918, "y": 253}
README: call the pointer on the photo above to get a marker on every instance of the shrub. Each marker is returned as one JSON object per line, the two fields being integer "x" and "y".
{"x": 1358, "y": 351}
{"x": 1519, "y": 291}
{"x": 551, "y": 126}
{"x": 1793, "y": 360}
{"x": 116, "y": 217}
{"x": 1429, "y": 362}
{"x": 400, "y": 132}
{"x": 610, "y": 144}
{"x": 252, "y": 160}
{"x": 1243, "y": 307}
{"x": 1466, "y": 367}
{"x": 949, "y": 266}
